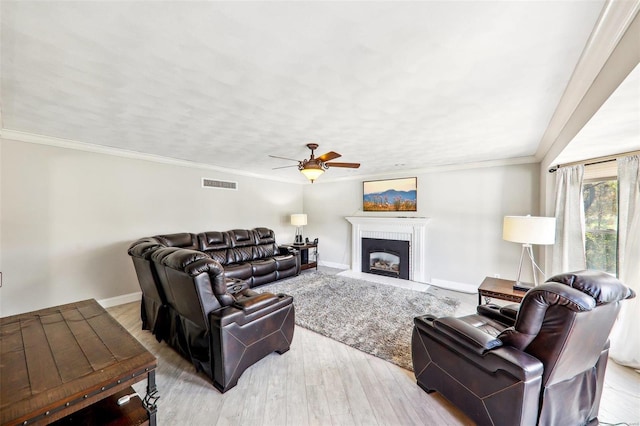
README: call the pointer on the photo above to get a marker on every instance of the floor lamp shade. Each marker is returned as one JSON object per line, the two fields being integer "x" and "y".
{"x": 528, "y": 231}
{"x": 298, "y": 220}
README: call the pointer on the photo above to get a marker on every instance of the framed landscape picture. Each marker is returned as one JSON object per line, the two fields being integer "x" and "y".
{"x": 392, "y": 195}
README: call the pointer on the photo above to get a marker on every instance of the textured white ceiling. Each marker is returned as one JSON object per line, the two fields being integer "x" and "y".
{"x": 415, "y": 84}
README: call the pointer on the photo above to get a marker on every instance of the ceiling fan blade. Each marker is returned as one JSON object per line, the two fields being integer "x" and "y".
{"x": 348, "y": 165}
{"x": 284, "y": 158}
{"x": 284, "y": 167}
{"x": 328, "y": 156}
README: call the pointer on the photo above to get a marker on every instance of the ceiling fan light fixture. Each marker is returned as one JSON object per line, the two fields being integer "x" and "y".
{"x": 311, "y": 171}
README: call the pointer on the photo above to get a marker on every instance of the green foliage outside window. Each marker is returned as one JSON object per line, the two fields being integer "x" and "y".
{"x": 601, "y": 224}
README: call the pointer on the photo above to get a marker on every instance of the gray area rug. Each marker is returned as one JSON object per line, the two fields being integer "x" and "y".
{"x": 374, "y": 318}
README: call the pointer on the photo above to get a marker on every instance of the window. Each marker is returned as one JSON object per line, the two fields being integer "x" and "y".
{"x": 600, "y": 193}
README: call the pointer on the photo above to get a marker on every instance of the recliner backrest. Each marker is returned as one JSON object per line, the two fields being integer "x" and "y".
{"x": 182, "y": 239}
{"x": 563, "y": 325}
{"x": 242, "y": 243}
{"x": 265, "y": 243}
{"x": 154, "y": 298}
{"x": 215, "y": 244}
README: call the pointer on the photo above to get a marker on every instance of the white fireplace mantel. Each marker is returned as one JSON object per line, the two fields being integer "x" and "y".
{"x": 412, "y": 229}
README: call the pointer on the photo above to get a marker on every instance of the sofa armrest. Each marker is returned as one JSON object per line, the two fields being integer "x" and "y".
{"x": 503, "y": 314}
{"x": 473, "y": 339}
{"x": 283, "y": 250}
{"x": 254, "y": 303}
{"x": 248, "y": 309}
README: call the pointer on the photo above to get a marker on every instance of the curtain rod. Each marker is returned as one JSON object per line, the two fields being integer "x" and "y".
{"x": 592, "y": 161}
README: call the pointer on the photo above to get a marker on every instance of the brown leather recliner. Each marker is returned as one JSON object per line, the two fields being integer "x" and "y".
{"x": 153, "y": 306}
{"x": 221, "y": 326}
{"x": 539, "y": 363}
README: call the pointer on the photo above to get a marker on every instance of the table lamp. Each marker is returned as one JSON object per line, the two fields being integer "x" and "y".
{"x": 298, "y": 220}
{"x": 529, "y": 230}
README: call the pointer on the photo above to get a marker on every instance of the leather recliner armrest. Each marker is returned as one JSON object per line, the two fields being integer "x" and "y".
{"x": 451, "y": 334}
{"x": 511, "y": 310}
{"x": 467, "y": 335}
{"x": 248, "y": 309}
{"x": 252, "y": 304}
{"x": 287, "y": 250}
{"x": 502, "y": 314}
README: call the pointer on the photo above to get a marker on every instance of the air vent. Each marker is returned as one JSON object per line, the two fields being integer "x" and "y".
{"x": 219, "y": 184}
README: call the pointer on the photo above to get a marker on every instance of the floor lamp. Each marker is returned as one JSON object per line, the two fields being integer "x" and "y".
{"x": 529, "y": 230}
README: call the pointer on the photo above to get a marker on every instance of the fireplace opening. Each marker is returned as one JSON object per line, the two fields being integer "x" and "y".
{"x": 386, "y": 257}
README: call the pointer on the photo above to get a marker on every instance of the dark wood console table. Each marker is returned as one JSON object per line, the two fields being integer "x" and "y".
{"x": 71, "y": 363}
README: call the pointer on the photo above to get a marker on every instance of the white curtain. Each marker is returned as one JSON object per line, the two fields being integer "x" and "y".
{"x": 568, "y": 250}
{"x": 625, "y": 338}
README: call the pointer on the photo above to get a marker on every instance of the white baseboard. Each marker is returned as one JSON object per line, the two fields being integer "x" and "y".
{"x": 334, "y": 265}
{"x": 455, "y": 286}
{"x": 121, "y": 300}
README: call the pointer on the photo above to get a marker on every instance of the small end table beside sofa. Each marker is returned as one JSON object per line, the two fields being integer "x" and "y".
{"x": 197, "y": 296}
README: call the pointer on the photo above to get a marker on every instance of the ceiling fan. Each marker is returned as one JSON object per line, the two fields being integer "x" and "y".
{"x": 314, "y": 167}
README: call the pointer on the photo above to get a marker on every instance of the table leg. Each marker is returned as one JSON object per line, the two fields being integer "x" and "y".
{"x": 151, "y": 398}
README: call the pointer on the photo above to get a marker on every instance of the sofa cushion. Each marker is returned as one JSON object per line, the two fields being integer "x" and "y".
{"x": 263, "y": 279}
{"x": 239, "y": 254}
{"x": 263, "y": 266}
{"x": 241, "y": 271}
{"x": 285, "y": 262}
{"x": 241, "y": 237}
{"x": 265, "y": 250}
{"x": 265, "y": 236}
{"x": 182, "y": 240}
{"x": 213, "y": 240}
{"x": 219, "y": 255}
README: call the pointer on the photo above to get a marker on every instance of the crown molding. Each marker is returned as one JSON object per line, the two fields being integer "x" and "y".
{"x": 440, "y": 169}
{"x": 119, "y": 152}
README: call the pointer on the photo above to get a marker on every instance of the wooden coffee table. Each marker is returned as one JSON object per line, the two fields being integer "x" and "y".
{"x": 499, "y": 289}
{"x": 67, "y": 362}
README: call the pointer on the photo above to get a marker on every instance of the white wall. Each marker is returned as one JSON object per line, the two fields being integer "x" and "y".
{"x": 68, "y": 217}
{"x": 466, "y": 208}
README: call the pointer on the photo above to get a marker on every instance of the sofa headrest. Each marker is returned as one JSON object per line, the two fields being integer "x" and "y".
{"x": 241, "y": 237}
{"x": 191, "y": 262}
{"x": 144, "y": 248}
{"x": 603, "y": 287}
{"x": 265, "y": 236}
{"x": 182, "y": 239}
{"x": 213, "y": 240}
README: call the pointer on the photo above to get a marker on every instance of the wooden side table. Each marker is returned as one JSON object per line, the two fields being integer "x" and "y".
{"x": 308, "y": 255}
{"x": 499, "y": 289}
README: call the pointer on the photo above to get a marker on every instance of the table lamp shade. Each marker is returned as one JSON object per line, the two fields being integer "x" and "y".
{"x": 299, "y": 219}
{"x": 529, "y": 229}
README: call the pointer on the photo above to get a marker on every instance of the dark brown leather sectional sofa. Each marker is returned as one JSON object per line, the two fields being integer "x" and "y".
{"x": 196, "y": 296}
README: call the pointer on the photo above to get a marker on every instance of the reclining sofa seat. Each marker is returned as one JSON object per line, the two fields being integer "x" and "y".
{"x": 154, "y": 303}
{"x": 250, "y": 255}
{"x": 540, "y": 363}
{"x": 222, "y": 331}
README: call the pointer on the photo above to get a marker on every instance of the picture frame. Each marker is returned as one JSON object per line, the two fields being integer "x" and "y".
{"x": 390, "y": 195}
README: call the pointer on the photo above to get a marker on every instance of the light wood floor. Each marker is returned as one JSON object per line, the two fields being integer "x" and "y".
{"x": 324, "y": 382}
